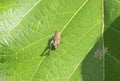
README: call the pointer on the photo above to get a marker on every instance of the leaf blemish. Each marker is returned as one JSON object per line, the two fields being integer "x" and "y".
{"x": 101, "y": 52}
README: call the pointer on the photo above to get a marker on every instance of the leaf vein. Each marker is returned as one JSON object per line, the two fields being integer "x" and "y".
{"x": 87, "y": 51}
{"x": 74, "y": 15}
{"x": 26, "y": 14}
{"x": 118, "y": 61}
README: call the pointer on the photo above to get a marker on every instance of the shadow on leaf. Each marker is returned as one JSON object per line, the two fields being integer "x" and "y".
{"x": 48, "y": 48}
{"x": 93, "y": 68}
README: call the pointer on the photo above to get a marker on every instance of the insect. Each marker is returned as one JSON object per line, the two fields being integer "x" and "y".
{"x": 56, "y": 40}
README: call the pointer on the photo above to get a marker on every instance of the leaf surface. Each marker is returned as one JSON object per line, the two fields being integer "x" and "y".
{"x": 112, "y": 40}
{"x": 25, "y": 36}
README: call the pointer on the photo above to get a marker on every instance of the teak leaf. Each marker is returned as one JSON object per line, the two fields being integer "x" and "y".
{"x": 27, "y": 27}
{"x": 112, "y": 40}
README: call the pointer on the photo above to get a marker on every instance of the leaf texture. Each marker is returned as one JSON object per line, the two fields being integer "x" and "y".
{"x": 26, "y": 27}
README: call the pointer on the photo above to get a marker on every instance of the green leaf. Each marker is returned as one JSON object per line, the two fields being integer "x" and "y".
{"x": 26, "y": 26}
{"x": 91, "y": 68}
{"x": 112, "y": 40}
{"x": 106, "y": 69}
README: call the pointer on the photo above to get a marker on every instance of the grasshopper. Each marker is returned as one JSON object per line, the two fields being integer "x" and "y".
{"x": 52, "y": 44}
{"x": 56, "y": 40}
